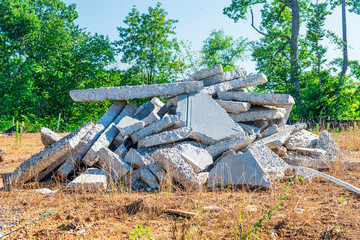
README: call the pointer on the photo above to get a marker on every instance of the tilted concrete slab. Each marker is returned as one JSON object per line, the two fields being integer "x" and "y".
{"x": 197, "y": 157}
{"x": 92, "y": 179}
{"x": 268, "y": 99}
{"x": 301, "y": 139}
{"x": 153, "y": 117}
{"x": 209, "y": 121}
{"x": 132, "y": 92}
{"x": 74, "y": 159}
{"x": 121, "y": 151}
{"x": 245, "y": 82}
{"x": 49, "y": 137}
{"x": 149, "y": 178}
{"x": 138, "y": 158}
{"x": 327, "y": 143}
{"x": 113, "y": 164}
{"x": 223, "y": 77}
{"x": 259, "y": 113}
{"x": 234, "y": 107}
{"x": 273, "y": 128}
{"x": 129, "y": 125}
{"x": 235, "y": 144}
{"x": 158, "y": 172}
{"x": 251, "y": 130}
{"x": 42, "y": 160}
{"x": 205, "y": 73}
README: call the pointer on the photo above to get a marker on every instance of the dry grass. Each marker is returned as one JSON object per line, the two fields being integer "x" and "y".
{"x": 312, "y": 210}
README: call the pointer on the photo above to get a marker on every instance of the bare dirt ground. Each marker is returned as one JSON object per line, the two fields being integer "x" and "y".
{"x": 310, "y": 210}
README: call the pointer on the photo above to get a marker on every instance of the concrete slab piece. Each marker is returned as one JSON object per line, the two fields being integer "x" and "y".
{"x": 205, "y": 73}
{"x": 144, "y": 110}
{"x": 74, "y": 159}
{"x": 108, "y": 135}
{"x": 273, "y": 128}
{"x": 251, "y": 130}
{"x": 138, "y": 158}
{"x": 49, "y": 137}
{"x": 165, "y": 137}
{"x": 268, "y": 99}
{"x": 113, "y": 164}
{"x": 259, "y": 113}
{"x": 158, "y": 172}
{"x": 327, "y": 143}
{"x": 174, "y": 165}
{"x": 133, "y": 92}
{"x": 225, "y": 76}
{"x": 235, "y": 144}
{"x": 305, "y": 161}
{"x": 165, "y": 123}
{"x": 314, "y": 152}
{"x": 149, "y": 178}
{"x": 276, "y": 139}
{"x": 245, "y": 82}
{"x": 234, "y": 107}
{"x": 153, "y": 117}
{"x": 129, "y": 125}
{"x": 121, "y": 151}
{"x": 197, "y": 157}
{"x": 301, "y": 139}
{"x": 209, "y": 121}
{"x": 42, "y": 160}
{"x": 92, "y": 179}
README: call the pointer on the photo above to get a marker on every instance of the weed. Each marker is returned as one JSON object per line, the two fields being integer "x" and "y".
{"x": 140, "y": 232}
{"x": 340, "y": 199}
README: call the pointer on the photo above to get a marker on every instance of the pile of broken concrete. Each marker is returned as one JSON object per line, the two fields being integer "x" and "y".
{"x": 211, "y": 132}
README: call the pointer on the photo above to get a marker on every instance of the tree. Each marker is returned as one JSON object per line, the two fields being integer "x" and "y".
{"x": 148, "y": 45}
{"x": 221, "y": 49}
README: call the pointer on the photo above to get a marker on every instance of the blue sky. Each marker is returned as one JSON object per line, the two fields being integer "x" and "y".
{"x": 197, "y": 18}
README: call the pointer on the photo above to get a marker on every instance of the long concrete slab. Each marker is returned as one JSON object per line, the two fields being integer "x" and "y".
{"x": 223, "y": 77}
{"x": 205, "y": 73}
{"x": 259, "y": 113}
{"x": 113, "y": 164}
{"x": 236, "y": 144}
{"x": 234, "y": 106}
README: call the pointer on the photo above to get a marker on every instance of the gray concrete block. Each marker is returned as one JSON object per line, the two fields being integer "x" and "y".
{"x": 158, "y": 172}
{"x": 245, "y": 82}
{"x": 205, "y": 73}
{"x": 276, "y": 139}
{"x": 259, "y": 113}
{"x": 129, "y": 125}
{"x": 225, "y": 76}
{"x": 327, "y": 143}
{"x": 305, "y": 161}
{"x": 121, "y": 151}
{"x": 49, "y": 137}
{"x": 113, "y": 164}
{"x": 144, "y": 110}
{"x": 133, "y": 92}
{"x": 92, "y": 179}
{"x": 301, "y": 139}
{"x": 234, "y": 107}
{"x": 198, "y": 158}
{"x": 175, "y": 166}
{"x": 209, "y": 121}
{"x": 165, "y": 137}
{"x": 273, "y": 128}
{"x": 138, "y": 158}
{"x": 161, "y": 125}
{"x": 149, "y": 178}
{"x": 42, "y": 160}
{"x": 74, "y": 159}
{"x": 203, "y": 177}
{"x": 313, "y": 152}
{"x": 236, "y": 144}
{"x": 153, "y": 117}
{"x": 224, "y": 154}
{"x": 120, "y": 139}
{"x": 268, "y": 99}
{"x": 251, "y": 130}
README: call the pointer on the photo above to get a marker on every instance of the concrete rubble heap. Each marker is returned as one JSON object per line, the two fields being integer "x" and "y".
{"x": 211, "y": 132}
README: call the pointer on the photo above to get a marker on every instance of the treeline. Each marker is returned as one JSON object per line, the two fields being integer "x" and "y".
{"x": 44, "y": 55}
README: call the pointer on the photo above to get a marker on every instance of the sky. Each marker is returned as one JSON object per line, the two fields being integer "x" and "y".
{"x": 197, "y": 18}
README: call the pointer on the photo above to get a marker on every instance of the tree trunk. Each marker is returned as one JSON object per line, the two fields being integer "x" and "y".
{"x": 345, "y": 52}
{"x": 294, "y": 44}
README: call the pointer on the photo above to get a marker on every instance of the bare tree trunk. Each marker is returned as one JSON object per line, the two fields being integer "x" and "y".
{"x": 345, "y": 50}
{"x": 294, "y": 44}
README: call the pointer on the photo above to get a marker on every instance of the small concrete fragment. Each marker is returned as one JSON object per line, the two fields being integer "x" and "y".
{"x": 327, "y": 143}
{"x": 153, "y": 117}
{"x": 121, "y": 151}
{"x": 203, "y": 177}
{"x": 197, "y": 157}
{"x": 245, "y": 82}
{"x": 313, "y": 152}
{"x": 224, "y": 154}
{"x": 149, "y": 178}
{"x": 236, "y": 144}
{"x": 301, "y": 139}
{"x": 259, "y": 113}
{"x": 268, "y": 99}
{"x": 120, "y": 140}
{"x": 234, "y": 107}
{"x": 175, "y": 166}
{"x": 129, "y": 125}
{"x": 165, "y": 137}
{"x": 137, "y": 158}
{"x": 273, "y": 128}
{"x": 144, "y": 110}
{"x": 49, "y": 137}
{"x": 250, "y": 130}
{"x": 132, "y": 92}
{"x": 113, "y": 164}
{"x": 158, "y": 172}
{"x": 205, "y": 73}
{"x": 92, "y": 179}
{"x": 223, "y": 77}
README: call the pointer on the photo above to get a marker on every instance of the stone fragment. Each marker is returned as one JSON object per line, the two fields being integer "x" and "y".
{"x": 236, "y": 144}
{"x": 268, "y": 99}
{"x": 245, "y": 82}
{"x": 132, "y": 177}
{"x": 92, "y": 179}
{"x": 327, "y": 143}
{"x": 302, "y": 139}
{"x": 175, "y": 166}
{"x": 273, "y": 128}
{"x": 153, "y": 117}
{"x": 225, "y": 76}
{"x": 251, "y": 130}
{"x": 120, "y": 139}
{"x": 210, "y": 122}
{"x": 234, "y": 107}
{"x": 205, "y": 73}
{"x": 306, "y": 161}
{"x": 129, "y": 125}
{"x": 165, "y": 137}
{"x": 73, "y": 160}
{"x": 113, "y": 164}
{"x": 121, "y": 151}
{"x": 149, "y": 178}
{"x": 166, "y": 108}
{"x": 138, "y": 158}
{"x": 49, "y": 137}
{"x": 198, "y": 158}
{"x": 108, "y": 135}
{"x": 165, "y": 123}
{"x": 39, "y": 162}
{"x": 281, "y": 151}
{"x": 313, "y": 152}
{"x": 203, "y": 177}
{"x": 224, "y": 154}
{"x": 158, "y": 172}
{"x": 132, "y": 92}
{"x": 259, "y": 113}
{"x": 144, "y": 110}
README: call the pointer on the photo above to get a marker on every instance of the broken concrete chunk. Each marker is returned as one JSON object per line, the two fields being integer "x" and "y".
{"x": 302, "y": 139}
{"x": 203, "y": 177}
{"x": 305, "y": 161}
{"x": 276, "y": 139}
{"x": 223, "y": 77}
{"x": 209, "y": 121}
{"x": 327, "y": 143}
{"x": 153, "y": 117}
{"x": 165, "y": 137}
{"x": 251, "y": 130}
{"x": 268, "y": 99}
{"x": 245, "y": 82}
{"x": 149, "y": 178}
{"x": 158, "y": 172}
{"x": 44, "y": 159}
{"x": 121, "y": 151}
{"x": 228, "y": 152}
{"x": 49, "y": 137}
{"x": 197, "y": 157}
{"x": 281, "y": 151}
{"x": 132, "y": 92}
{"x": 259, "y": 113}
{"x": 92, "y": 179}
{"x": 236, "y": 144}
{"x": 314, "y": 152}
{"x": 234, "y": 107}
{"x": 113, "y": 164}
{"x": 273, "y": 128}
{"x": 175, "y": 165}
{"x": 205, "y": 73}
{"x": 129, "y": 125}
{"x": 119, "y": 140}
{"x": 144, "y": 110}
{"x": 137, "y": 159}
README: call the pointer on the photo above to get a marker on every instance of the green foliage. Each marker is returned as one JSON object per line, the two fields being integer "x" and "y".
{"x": 140, "y": 232}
